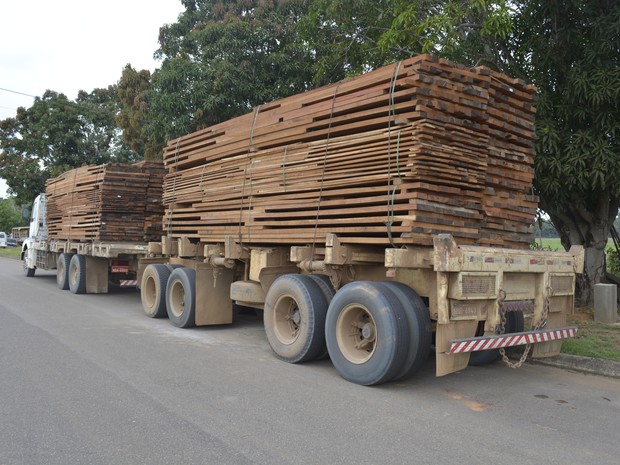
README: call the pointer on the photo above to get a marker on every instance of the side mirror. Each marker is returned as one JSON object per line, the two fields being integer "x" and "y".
{"x": 25, "y": 214}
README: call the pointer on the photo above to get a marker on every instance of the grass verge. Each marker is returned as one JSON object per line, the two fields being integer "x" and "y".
{"x": 11, "y": 252}
{"x": 595, "y": 340}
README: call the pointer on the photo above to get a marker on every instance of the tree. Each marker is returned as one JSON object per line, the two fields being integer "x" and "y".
{"x": 352, "y": 36}
{"x": 131, "y": 91}
{"x": 571, "y": 51}
{"x": 221, "y": 59}
{"x": 10, "y": 215}
{"x": 344, "y": 36}
{"x": 56, "y": 134}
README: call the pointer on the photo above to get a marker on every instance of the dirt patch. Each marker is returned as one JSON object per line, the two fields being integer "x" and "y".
{"x": 583, "y": 314}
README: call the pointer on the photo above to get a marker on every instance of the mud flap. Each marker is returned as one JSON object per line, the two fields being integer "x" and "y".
{"x": 213, "y": 304}
{"x": 96, "y": 275}
{"x": 446, "y": 363}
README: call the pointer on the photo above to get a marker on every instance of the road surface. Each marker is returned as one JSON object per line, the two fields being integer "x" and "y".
{"x": 88, "y": 379}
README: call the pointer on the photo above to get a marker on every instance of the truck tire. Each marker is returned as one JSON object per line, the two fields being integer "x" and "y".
{"x": 325, "y": 284}
{"x": 328, "y": 292}
{"x": 62, "y": 270}
{"x": 153, "y": 290}
{"x": 367, "y": 333}
{"x": 294, "y": 318}
{"x": 28, "y": 272}
{"x": 514, "y": 324}
{"x": 420, "y": 328}
{"x": 181, "y": 297}
{"x": 77, "y": 274}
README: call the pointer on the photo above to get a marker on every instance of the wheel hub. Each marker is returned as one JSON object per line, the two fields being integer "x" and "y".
{"x": 368, "y": 332}
{"x": 296, "y": 317}
{"x": 356, "y": 333}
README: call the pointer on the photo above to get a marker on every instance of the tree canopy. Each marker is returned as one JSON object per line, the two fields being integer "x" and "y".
{"x": 10, "y": 215}
{"x": 56, "y": 134}
{"x": 221, "y": 59}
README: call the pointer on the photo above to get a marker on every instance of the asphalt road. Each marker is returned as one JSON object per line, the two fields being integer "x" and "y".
{"x": 90, "y": 380}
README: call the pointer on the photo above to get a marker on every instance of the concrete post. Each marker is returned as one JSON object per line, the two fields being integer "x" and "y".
{"x": 605, "y": 303}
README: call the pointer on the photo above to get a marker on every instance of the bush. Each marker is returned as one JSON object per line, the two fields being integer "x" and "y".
{"x": 612, "y": 261}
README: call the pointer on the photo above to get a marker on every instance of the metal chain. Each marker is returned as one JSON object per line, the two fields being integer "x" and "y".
{"x": 540, "y": 325}
{"x": 502, "y": 312}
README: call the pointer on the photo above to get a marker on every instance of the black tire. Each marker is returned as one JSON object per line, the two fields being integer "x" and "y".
{"x": 325, "y": 284}
{"x": 328, "y": 292}
{"x": 153, "y": 290}
{"x": 77, "y": 274}
{"x": 62, "y": 270}
{"x": 514, "y": 324}
{"x": 181, "y": 297}
{"x": 294, "y": 318}
{"x": 28, "y": 272}
{"x": 420, "y": 328}
{"x": 367, "y": 333}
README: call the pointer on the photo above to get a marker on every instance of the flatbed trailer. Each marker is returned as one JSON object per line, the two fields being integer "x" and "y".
{"x": 377, "y": 312}
{"x": 86, "y": 267}
{"x": 81, "y": 266}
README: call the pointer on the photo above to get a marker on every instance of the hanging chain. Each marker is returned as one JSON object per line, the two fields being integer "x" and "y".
{"x": 502, "y": 312}
{"x": 540, "y": 325}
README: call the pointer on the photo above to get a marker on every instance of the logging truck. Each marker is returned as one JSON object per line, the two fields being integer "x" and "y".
{"x": 106, "y": 262}
{"x": 371, "y": 221}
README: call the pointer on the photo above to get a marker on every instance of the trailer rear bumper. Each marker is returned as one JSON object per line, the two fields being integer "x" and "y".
{"x": 474, "y": 344}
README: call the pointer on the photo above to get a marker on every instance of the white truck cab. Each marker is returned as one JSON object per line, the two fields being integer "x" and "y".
{"x": 37, "y": 232}
{"x": 3, "y": 238}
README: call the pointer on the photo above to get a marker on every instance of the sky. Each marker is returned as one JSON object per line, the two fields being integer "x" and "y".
{"x": 72, "y": 45}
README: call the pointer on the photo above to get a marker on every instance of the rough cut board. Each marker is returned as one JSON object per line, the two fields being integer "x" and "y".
{"x": 394, "y": 156}
{"x": 111, "y": 203}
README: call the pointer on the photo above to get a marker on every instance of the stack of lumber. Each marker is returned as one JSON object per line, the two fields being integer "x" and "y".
{"x": 394, "y": 156}
{"x": 154, "y": 209}
{"x": 108, "y": 203}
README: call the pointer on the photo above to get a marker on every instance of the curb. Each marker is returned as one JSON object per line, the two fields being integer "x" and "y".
{"x": 595, "y": 366}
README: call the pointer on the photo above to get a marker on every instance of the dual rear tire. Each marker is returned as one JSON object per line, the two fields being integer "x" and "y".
{"x": 169, "y": 290}
{"x": 373, "y": 332}
{"x": 377, "y": 332}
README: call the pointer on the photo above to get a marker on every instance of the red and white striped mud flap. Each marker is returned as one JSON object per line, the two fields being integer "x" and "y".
{"x": 473, "y": 344}
{"x": 128, "y": 282}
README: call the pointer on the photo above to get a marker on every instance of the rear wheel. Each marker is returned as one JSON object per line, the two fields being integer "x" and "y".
{"x": 294, "y": 318}
{"x": 77, "y": 274}
{"x": 367, "y": 333}
{"x": 514, "y": 324}
{"x": 62, "y": 270}
{"x": 327, "y": 288}
{"x": 181, "y": 297}
{"x": 153, "y": 290}
{"x": 420, "y": 328}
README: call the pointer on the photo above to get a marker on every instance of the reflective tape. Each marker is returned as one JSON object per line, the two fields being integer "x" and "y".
{"x": 475, "y": 344}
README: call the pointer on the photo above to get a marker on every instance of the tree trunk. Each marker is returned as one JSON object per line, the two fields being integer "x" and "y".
{"x": 587, "y": 224}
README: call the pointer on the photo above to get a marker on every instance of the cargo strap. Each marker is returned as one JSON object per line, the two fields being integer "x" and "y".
{"x": 391, "y": 191}
{"x": 249, "y": 163}
{"x": 329, "y": 131}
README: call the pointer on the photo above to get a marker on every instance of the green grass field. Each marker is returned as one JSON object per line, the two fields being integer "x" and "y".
{"x": 554, "y": 243}
{"x": 11, "y": 252}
